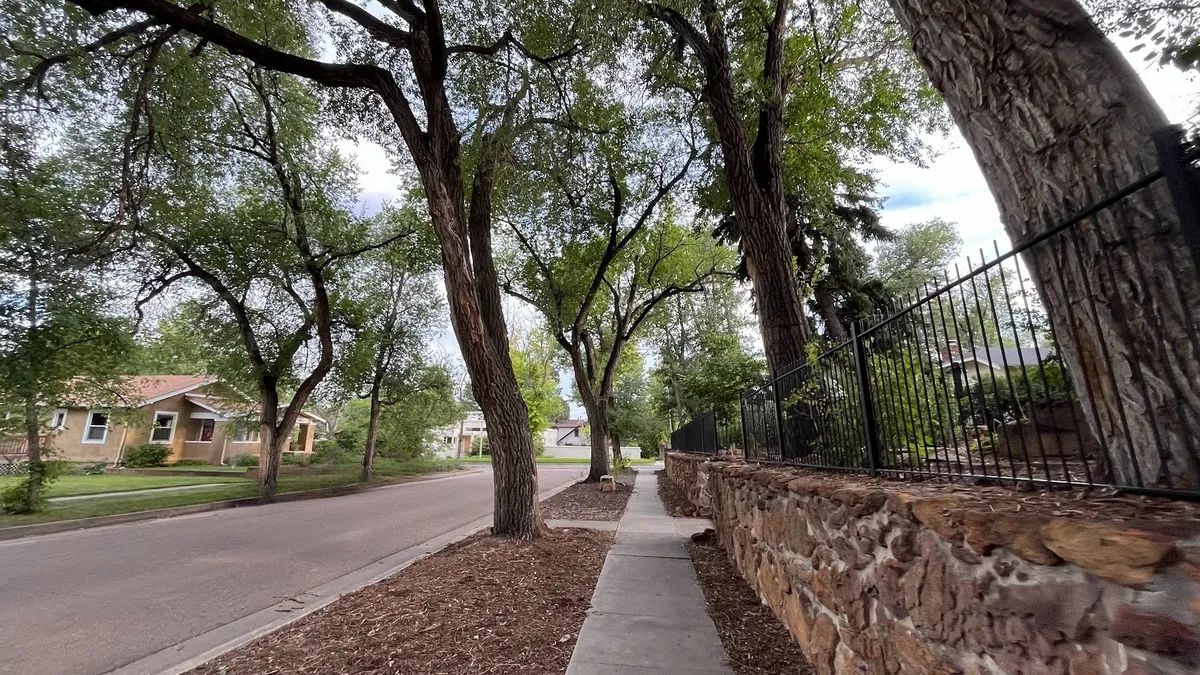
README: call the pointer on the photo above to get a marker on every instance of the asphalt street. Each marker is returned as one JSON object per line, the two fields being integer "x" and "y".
{"x": 89, "y": 601}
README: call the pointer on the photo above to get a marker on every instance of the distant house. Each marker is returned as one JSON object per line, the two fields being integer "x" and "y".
{"x": 196, "y": 415}
{"x": 984, "y": 362}
{"x": 570, "y": 432}
{"x": 462, "y": 438}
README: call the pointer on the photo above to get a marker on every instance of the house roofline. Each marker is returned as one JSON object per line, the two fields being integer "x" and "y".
{"x": 169, "y": 394}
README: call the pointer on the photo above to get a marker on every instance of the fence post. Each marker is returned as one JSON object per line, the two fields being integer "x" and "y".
{"x": 866, "y": 402}
{"x": 742, "y": 421}
{"x": 1184, "y": 184}
{"x": 778, "y": 416}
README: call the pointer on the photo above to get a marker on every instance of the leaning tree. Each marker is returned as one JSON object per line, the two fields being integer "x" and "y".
{"x": 417, "y": 69}
{"x": 1058, "y": 120}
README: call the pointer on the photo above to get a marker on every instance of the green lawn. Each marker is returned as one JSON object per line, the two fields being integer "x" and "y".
{"x": 237, "y": 488}
{"x": 550, "y": 460}
{"x": 70, "y": 486}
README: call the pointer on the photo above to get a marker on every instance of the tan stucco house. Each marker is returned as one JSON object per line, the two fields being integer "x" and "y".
{"x": 196, "y": 415}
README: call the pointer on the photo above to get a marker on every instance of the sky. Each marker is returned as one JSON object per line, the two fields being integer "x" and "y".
{"x": 950, "y": 186}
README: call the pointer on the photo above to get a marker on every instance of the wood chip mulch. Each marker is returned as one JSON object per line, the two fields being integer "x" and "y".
{"x": 757, "y": 643}
{"x": 674, "y": 497}
{"x": 585, "y": 501}
{"x": 484, "y": 605}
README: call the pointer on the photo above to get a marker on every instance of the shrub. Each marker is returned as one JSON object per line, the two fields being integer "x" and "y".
{"x": 190, "y": 462}
{"x": 94, "y": 469}
{"x": 147, "y": 454}
{"x": 328, "y": 451}
{"x": 293, "y": 460}
{"x": 244, "y": 460}
{"x": 649, "y": 453}
{"x": 14, "y": 498}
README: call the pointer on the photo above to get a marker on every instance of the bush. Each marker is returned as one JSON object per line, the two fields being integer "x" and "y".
{"x": 649, "y": 453}
{"x": 328, "y": 451}
{"x": 14, "y": 498}
{"x": 94, "y": 469}
{"x": 293, "y": 460}
{"x": 244, "y": 460}
{"x": 190, "y": 462}
{"x": 147, "y": 454}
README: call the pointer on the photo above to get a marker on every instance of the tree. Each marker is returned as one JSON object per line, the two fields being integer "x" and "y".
{"x": 408, "y": 51}
{"x": 1025, "y": 81}
{"x": 59, "y": 337}
{"x": 631, "y": 411}
{"x": 1166, "y": 32}
{"x": 174, "y": 348}
{"x": 406, "y": 425}
{"x": 815, "y": 91}
{"x": 678, "y": 332}
{"x": 271, "y": 250}
{"x": 594, "y": 329}
{"x": 395, "y": 317}
{"x": 597, "y": 245}
{"x": 534, "y": 360}
{"x": 917, "y": 256}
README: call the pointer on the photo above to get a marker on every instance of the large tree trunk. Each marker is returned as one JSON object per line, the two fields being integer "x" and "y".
{"x": 1058, "y": 120}
{"x": 372, "y": 434}
{"x": 598, "y": 423}
{"x": 753, "y": 173}
{"x": 33, "y": 449}
{"x": 271, "y": 441}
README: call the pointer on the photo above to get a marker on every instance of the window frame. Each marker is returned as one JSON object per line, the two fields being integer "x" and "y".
{"x": 174, "y": 415}
{"x": 55, "y": 423}
{"x": 247, "y": 435}
{"x": 88, "y": 426}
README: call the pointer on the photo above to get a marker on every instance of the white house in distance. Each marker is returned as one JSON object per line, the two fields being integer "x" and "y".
{"x": 568, "y": 438}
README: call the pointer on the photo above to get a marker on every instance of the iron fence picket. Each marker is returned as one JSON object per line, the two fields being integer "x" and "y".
{"x": 959, "y": 384}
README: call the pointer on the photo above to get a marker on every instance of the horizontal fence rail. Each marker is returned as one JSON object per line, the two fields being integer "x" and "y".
{"x": 968, "y": 382}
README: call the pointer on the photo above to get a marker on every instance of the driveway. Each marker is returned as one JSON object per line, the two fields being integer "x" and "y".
{"x": 89, "y": 601}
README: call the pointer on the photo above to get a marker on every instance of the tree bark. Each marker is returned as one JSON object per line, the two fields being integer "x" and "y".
{"x": 37, "y": 470}
{"x": 753, "y": 174}
{"x": 834, "y": 329}
{"x": 372, "y": 435}
{"x": 1059, "y": 120}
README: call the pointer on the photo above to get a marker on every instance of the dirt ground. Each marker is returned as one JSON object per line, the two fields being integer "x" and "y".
{"x": 484, "y": 605}
{"x": 757, "y": 643}
{"x": 585, "y": 501}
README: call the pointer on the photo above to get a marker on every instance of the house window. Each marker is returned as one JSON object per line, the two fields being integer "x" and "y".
{"x": 164, "y": 427}
{"x": 97, "y": 427}
{"x": 205, "y": 432}
{"x": 59, "y": 421}
{"x": 246, "y": 436}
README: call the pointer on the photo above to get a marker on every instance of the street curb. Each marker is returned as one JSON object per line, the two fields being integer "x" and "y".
{"x": 223, "y": 639}
{"x": 18, "y": 531}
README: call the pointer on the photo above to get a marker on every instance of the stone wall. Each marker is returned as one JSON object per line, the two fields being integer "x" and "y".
{"x": 875, "y": 577}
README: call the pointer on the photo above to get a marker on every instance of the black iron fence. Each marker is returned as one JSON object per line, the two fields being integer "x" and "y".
{"x": 708, "y": 432}
{"x": 977, "y": 380}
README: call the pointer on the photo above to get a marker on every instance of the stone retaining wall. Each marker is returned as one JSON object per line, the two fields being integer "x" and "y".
{"x": 876, "y": 578}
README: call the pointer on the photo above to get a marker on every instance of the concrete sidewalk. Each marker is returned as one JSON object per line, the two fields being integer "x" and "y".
{"x": 648, "y": 615}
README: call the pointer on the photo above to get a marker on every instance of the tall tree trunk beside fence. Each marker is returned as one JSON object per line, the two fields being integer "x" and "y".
{"x": 1059, "y": 120}
{"x": 753, "y": 171}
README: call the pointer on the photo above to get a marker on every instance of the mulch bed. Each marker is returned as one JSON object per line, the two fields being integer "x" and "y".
{"x": 585, "y": 501}
{"x": 484, "y": 605}
{"x": 757, "y": 643}
{"x": 674, "y": 497}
